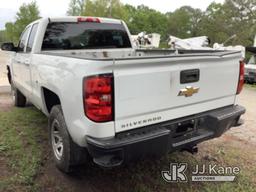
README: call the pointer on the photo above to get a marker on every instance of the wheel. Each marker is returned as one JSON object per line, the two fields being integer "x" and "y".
{"x": 66, "y": 153}
{"x": 19, "y": 99}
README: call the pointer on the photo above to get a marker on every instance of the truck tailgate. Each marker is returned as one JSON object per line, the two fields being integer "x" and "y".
{"x": 148, "y": 90}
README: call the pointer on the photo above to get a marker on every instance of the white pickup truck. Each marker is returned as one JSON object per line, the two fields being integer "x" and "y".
{"x": 111, "y": 102}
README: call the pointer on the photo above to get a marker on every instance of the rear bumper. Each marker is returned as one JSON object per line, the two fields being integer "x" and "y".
{"x": 158, "y": 139}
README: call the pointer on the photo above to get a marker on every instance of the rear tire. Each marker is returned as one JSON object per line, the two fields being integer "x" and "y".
{"x": 19, "y": 99}
{"x": 66, "y": 153}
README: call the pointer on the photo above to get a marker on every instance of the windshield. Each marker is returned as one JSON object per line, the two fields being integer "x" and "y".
{"x": 252, "y": 60}
{"x": 85, "y": 35}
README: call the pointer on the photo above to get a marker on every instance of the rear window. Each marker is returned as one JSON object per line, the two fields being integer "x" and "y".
{"x": 85, "y": 35}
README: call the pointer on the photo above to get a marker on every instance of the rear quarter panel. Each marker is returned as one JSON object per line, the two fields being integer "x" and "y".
{"x": 64, "y": 76}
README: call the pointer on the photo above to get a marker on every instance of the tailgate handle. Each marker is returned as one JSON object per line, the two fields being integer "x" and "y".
{"x": 189, "y": 76}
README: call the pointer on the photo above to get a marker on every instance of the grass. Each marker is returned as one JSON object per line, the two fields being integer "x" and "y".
{"x": 145, "y": 176}
{"x": 21, "y": 133}
{"x": 244, "y": 181}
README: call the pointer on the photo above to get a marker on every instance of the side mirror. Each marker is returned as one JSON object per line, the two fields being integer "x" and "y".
{"x": 8, "y": 47}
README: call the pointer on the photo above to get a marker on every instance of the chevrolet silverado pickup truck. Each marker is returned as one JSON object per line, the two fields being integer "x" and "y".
{"x": 110, "y": 102}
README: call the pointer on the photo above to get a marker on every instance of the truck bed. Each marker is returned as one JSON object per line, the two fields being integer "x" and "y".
{"x": 135, "y": 54}
{"x": 147, "y": 82}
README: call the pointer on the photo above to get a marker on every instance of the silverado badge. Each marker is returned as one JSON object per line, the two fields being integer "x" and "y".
{"x": 188, "y": 91}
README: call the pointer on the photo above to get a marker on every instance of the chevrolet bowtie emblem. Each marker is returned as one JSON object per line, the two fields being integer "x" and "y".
{"x": 188, "y": 91}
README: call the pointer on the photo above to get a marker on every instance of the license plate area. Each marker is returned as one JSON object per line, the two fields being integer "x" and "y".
{"x": 185, "y": 128}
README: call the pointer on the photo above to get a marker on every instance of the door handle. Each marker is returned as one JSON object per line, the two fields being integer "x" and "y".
{"x": 189, "y": 76}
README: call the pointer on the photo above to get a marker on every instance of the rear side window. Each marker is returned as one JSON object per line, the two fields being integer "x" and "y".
{"x": 23, "y": 39}
{"x": 85, "y": 35}
{"x": 31, "y": 38}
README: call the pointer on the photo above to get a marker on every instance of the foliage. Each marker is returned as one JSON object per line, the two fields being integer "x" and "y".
{"x": 138, "y": 19}
{"x": 242, "y": 20}
{"x": 218, "y": 22}
{"x": 215, "y": 23}
{"x": 143, "y": 18}
{"x": 76, "y": 7}
{"x": 184, "y": 22}
{"x": 27, "y": 13}
{"x": 2, "y": 37}
{"x": 234, "y": 17}
{"x": 103, "y": 8}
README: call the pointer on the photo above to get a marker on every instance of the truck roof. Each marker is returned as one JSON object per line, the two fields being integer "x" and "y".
{"x": 81, "y": 18}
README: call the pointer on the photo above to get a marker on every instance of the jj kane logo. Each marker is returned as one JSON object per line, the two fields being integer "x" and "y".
{"x": 177, "y": 173}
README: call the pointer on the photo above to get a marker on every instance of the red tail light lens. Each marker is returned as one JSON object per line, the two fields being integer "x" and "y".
{"x": 88, "y": 19}
{"x": 241, "y": 78}
{"x": 98, "y": 98}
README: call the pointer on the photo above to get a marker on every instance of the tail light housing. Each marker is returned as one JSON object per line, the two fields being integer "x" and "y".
{"x": 241, "y": 78}
{"x": 99, "y": 97}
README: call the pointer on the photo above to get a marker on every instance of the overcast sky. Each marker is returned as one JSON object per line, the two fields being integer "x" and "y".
{"x": 49, "y": 8}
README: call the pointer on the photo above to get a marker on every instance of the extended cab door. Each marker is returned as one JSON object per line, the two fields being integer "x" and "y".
{"x": 18, "y": 63}
{"x": 27, "y": 78}
{"x": 22, "y": 61}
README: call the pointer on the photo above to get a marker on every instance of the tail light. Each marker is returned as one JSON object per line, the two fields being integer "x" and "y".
{"x": 88, "y": 19}
{"x": 98, "y": 97}
{"x": 241, "y": 78}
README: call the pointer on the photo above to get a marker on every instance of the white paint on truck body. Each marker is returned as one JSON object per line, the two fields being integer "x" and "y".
{"x": 147, "y": 89}
{"x": 146, "y": 86}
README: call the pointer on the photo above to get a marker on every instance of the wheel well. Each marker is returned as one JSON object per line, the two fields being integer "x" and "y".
{"x": 50, "y": 99}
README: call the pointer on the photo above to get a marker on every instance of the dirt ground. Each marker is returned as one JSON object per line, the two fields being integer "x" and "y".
{"x": 96, "y": 179}
{"x": 246, "y": 132}
{"x": 5, "y": 102}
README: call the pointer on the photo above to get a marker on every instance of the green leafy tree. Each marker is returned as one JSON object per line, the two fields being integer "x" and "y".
{"x": 2, "y": 36}
{"x": 27, "y": 13}
{"x": 184, "y": 22}
{"x": 234, "y": 17}
{"x": 76, "y": 7}
{"x": 143, "y": 18}
{"x": 215, "y": 23}
{"x": 242, "y": 18}
{"x": 11, "y": 32}
{"x": 103, "y": 8}
{"x": 219, "y": 21}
